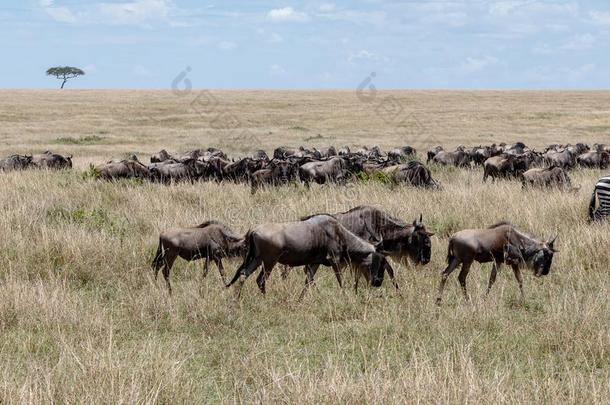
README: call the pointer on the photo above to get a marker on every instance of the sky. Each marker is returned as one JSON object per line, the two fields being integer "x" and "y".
{"x": 412, "y": 44}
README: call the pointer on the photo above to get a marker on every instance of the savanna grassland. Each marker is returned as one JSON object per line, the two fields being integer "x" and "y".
{"x": 82, "y": 319}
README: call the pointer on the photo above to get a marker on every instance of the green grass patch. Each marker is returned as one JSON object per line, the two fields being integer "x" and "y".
{"x": 83, "y": 140}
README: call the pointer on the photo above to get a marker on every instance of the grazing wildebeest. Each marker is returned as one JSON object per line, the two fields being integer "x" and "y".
{"x": 490, "y": 245}
{"x": 320, "y": 240}
{"x": 413, "y": 173}
{"x": 432, "y": 152}
{"x": 518, "y": 148}
{"x": 171, "y": 171}
{"x": 397, "y": 239}
{"x": 211, "y": 240}
{"x": 601, "y": 192}
{"x": 326, "y": 152}
{"x": 501, "y": 166}
{"x": 332, "y": 170}
{"x": 276, "y": 173}
{"x": 550, "y": 177}
{"x": 50, "y": 160}
{"x": 578, "y": 149}
{"x": 344, "y": 151}
{"x": 161, "y": 156}
{"x": 457, "y": 158}
{"x": 15, "y": 162}
{"x": 373, "y": 152}
{"x": 401, "y": 154}
{"x": 564, "y": 159}
{"x": 242, "y": 169}
{"x": 594, "y": 159}
{"x": 260, "y": 154}
{"x": 121, "y": 169}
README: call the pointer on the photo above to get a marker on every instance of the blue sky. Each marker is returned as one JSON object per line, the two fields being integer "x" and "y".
{"x": 526, "y": 44}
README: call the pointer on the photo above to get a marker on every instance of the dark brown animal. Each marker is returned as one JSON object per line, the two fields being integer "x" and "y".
{"x": 432, "y": 152}
{"x": 332, "y": 170}
{"x": 551, "y": 177}
{"x": 211, "y": 240}
{"x": 122, "y": 169}
{"x": 15, "y": 162}
{"x": 413, "y": 173}
{"x": 594, "y": 159}
{"x": 402, "y": 154}
{"x": 319, "y": 240}
{"x": 161, "y": 156}
{"x": 276, "y": 173}
{"x": 170, "y": 171}
{"x": 50, "y": 160}
{"x": 490, "y": 245}
{"x": 399, "y": 240}
{"x": 502, "y": 166}
{"x": 457, "y": 158}
{"x": 564, "y": 159}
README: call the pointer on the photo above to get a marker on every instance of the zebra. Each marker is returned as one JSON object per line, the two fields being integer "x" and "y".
{"x": 602, "y": 192}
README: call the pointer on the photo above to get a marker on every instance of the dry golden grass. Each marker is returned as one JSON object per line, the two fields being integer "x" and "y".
{"x": 82, "y": 319}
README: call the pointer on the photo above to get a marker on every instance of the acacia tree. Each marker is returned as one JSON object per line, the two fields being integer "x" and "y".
{"x": 65, "y": 73}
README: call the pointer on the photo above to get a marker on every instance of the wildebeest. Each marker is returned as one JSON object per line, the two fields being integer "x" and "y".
{"x": 242, "y": 169}
{"x": 260, "y": 154}
{"x": 171, "y": 171}
{"x": 502, "y": 166}
{"x": 457, "y": 158}
{"x": 578, "y": 149}
{"x": 398, "y": 239}
{"x": 326, "y": 152}
{"x": 402, "y": 153}
{"x": 550, "y": 177}
{"x": 491, "y": 245}
{"x": 15, "y": 162}
{"x": 344, "y": 151}
{"x": 120, "y": 169}
{"x": 50, "y": 160}
{"x": 564, "y": 159}
{"x": 319, "y": 240}
{"x": 518, "y": 148}
{"x": 276, "y": 173}
{"x": 432, "y": 152}
{"x": 324, "y": 171}
{"x": 211, "y": 240}
{"x": 161, "y": 156}
{"x": 413, "y": 173}
{"x": 594, "y": 159}
{"x": 374, "y": 152}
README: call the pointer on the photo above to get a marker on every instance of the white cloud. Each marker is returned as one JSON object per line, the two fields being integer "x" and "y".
{"x": 142, "y": 71}
{"x": 472, "y": 65}
{"x": 287, "y": 14}
{"x": 226, "y": 45}
{"x": 327, "y": 7}
{"x": 136, "y": 12}
{"x": 275, "y": 38}
{"x": 277, "y": 70}
{"x": 579, "y": 42}
{"x": 600, "y": 17}
{"x": 362, "y": 54}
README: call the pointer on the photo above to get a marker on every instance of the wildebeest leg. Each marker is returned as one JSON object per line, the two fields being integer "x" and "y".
{"x": 284, "y": 272}
{"x": 519, "y": 278}
{"x": 262, "y": 278}
{"x": 452, "y": 266}
{"x": 206, "y": 266}
{"x": 492, "y": 276}
{"x": 390, "y": 271}
{"x": 310, "y": 272}
{"x": 462, "y": 279}
{"x": 221, "y": 269}
{"x": 338, "y": 274}
{"x": 169, "y": 261}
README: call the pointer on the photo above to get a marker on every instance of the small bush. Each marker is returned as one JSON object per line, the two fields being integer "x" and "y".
{"x": 83, "y": 140}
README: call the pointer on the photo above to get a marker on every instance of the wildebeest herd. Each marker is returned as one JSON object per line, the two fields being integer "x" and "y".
{"x": 362, "y": 238}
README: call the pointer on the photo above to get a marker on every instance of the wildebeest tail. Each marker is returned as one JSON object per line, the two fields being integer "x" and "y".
{"x": 158, "y": 260}
{"x": 250, "y": 256}
{"x": 450, "y": 253}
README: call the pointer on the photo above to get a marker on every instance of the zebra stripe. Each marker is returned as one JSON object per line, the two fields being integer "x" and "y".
{"x": 602, "y": 188}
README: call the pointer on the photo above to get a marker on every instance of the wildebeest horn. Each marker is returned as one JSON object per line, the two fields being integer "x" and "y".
{"x": 421, "y": 218}
{"x": 551, "y": 242}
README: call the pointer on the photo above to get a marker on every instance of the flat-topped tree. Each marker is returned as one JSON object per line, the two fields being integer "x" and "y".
{"x": 65, "y": 73}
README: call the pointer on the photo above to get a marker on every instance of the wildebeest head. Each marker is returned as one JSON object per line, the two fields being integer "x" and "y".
{"x": 540, "y": 257}
{"x": 420, "y": 245}
{"x": 283, "y": 170}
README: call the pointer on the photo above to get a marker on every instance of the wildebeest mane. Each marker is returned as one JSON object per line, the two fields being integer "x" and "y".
{"x": 498, "y": 224}
{"x": 208, "y": 223}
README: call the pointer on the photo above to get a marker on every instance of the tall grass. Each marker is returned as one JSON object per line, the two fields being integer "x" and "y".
{"x": 83, "y": 320}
